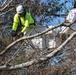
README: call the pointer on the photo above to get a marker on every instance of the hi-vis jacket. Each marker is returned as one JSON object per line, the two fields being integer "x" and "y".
{"x": 27, "y": 22}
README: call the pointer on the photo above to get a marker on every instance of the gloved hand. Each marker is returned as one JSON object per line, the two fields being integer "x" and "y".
{"x": 14, "y": 33}
{"x": 20, "y": 34}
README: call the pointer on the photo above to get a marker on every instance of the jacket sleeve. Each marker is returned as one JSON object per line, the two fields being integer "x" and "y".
{"x": 26, "y": 27}
{"x": 15, "y": 23}
{"x": 28, "y": 21}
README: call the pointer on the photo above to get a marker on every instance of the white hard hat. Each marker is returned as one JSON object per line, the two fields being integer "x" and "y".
{"x": 20, "y": 9}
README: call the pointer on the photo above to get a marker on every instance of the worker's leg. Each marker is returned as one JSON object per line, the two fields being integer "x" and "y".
{"x": 71, "y": 16}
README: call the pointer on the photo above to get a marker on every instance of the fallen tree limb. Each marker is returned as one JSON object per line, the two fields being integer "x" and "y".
{"x": 28, "y": 37}
{"x": 35, "y": 61}
{"x": 32, "y": 36}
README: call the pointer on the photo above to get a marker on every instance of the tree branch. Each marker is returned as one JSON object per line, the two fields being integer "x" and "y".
{"x": 28, "y": 37}
{"x": 32, "y": 36}
{"x": 35, "y": 61}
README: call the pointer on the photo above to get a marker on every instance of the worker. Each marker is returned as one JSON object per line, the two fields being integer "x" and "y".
{"x": 66, "y": 31}
{"x": 23, "y": 21}
{"x": 72, "y": 15}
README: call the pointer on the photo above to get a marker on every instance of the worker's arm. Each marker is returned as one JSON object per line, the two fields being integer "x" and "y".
{"x": 71, "y": 16}
{"x": 26, "y": 27}
{"x": 29, "y": 20}
{"x": 15, "y": 23}
{"x": 26, "y": 24}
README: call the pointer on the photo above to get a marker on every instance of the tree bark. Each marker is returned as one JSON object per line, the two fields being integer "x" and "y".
{"x": 35, "y": 61}
{"x": 32, "y": 36}
{"x": 28, "y": 37}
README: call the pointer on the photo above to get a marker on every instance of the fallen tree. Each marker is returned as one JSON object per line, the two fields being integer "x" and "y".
{"x": 28, "y": 37}
{"x": 34, "y": 61}
{"x": 32, "y": 36}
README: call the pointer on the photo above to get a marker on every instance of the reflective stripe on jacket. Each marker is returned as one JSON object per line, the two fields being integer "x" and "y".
{"x": 25, "y": 21}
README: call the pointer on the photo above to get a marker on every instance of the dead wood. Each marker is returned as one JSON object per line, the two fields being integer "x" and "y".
{"x": 35, "y": 61}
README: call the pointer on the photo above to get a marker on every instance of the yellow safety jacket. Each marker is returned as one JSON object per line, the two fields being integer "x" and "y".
{"x": 27, "y": 22}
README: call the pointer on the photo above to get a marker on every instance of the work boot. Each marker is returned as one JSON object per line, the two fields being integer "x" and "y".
{"x": 66, "y": 22}
{"x": 63, "y": 37}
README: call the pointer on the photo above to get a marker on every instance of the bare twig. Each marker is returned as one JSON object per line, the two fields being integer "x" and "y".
{"x": 6, "y": 6}
{"x": 14, "y": 54}
{"x": 4, "y": 3}
{"x": 6, "y": 12}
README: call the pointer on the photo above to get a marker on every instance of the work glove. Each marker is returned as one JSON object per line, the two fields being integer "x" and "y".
{"x": 20, "y": 34}
{"x": 14, "y": 33}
